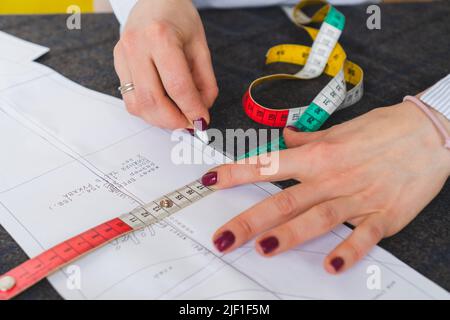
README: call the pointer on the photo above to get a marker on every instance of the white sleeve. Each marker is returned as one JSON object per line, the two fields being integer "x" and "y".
{"x": 438, "y": 96}
{"x": 264, "y": 3}
{"x": 240, "y": 3}
{"x": 122, "y": 8}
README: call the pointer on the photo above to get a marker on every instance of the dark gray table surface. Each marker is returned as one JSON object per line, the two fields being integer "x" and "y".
{"x": 409, "y": 54}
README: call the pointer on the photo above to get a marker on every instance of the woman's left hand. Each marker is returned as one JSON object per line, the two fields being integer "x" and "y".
{"x": 377, "y": 172}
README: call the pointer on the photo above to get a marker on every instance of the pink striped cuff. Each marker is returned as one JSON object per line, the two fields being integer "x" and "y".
{"x": 438, "y": 96}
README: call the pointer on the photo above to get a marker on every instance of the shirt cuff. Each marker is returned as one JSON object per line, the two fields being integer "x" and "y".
{"x": 122, "y": 9}
{"x": 438, "y": 97}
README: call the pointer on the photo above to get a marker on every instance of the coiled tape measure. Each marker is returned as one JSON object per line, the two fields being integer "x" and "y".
{"x": 325, "y": 55}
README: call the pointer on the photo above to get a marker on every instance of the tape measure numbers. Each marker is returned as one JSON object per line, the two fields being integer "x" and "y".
{"x": 325, "y": 56}
{"x": 32, "y": 271}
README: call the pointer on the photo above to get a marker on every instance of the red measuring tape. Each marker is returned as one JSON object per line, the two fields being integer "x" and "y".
{"x": 34, "y": 270}
{"x": 263, "y": 115}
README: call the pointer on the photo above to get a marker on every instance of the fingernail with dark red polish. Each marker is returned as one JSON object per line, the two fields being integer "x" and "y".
{"x": 191, "y": 131}
{"x": 269, "y": 244}
{"x": 200, "y": 124}
{"x": 209, "y": 178}
{"x": 292, "y": 128}
{"x": 224, "y": 241}
{"x": 337, "y": 263}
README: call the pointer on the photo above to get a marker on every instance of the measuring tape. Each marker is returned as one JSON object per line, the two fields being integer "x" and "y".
{"x": 32, "y": 271}
{"x": 325, "y": 56}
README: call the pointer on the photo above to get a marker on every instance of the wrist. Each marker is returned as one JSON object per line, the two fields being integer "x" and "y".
{"x": 430, "y": 135}
{"x": 446, "y": 123}
{"x": 444, "y": 120}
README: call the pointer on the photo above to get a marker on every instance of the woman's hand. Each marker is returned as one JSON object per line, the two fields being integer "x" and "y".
{"x": 376, "y": 172}
{"x": 163, "y": 52}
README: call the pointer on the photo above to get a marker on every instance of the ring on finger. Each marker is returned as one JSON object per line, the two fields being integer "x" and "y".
{"x": 127, "y": 87}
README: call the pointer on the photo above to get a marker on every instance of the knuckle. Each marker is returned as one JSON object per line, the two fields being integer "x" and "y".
{"x": 354, "y": 251}
{"x": 227, "y": 175}
{"x": 327, "y": 215}
{"x": 375, "y": 232}
{"x": 129, "y": 39}
{"x": 117, "y": 50}
{"x": 331, "y": 183}
{"x": 324, "y": 150}
{"x": 285, "y": 203}
{"x": 315, "y": 147}
{"x": 391, "y": 231}
{"x": 245, "y": 226}
{"x": 159, "y": 29}
{"x": 141, "y": 100}
{"x": 255, "y": 169}
{"x": 365, "y": 197}
{"x": 133, "y": 108}
{"x": 210, "y": 95}
{"x": 290, "y": 234}
{"x": 177, "y": 87}
{"x": 214, "y": 92}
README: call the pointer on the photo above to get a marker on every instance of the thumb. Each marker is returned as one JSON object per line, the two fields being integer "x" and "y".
{"x": 295, "y": 138}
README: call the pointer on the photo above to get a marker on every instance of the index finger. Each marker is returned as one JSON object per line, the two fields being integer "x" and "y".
{"x": 176, "y": 77}
{"x": 275, "y": 166}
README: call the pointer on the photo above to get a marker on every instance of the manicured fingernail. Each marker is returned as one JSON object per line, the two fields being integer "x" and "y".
{"x": 209, "y": 178}
{"x": 200, "y": 124}
{"x": 191, "y": 131}
{"x": 269, "y": 244}
{"x": 292, "y": 128}
{"x": 337, "y": 263}
{"x": 224, "y": 241}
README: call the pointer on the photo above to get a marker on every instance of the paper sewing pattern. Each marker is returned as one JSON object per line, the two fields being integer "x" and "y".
{"x": 19, "y": 50}
{"x": 74, "y": 158}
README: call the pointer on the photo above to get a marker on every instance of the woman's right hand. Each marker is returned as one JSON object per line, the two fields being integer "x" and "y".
{"x": 164, "y": 53}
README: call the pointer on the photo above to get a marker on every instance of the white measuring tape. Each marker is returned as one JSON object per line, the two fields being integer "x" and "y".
{"x": 325, "y": 56}
{"x": 32, "y": 271}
